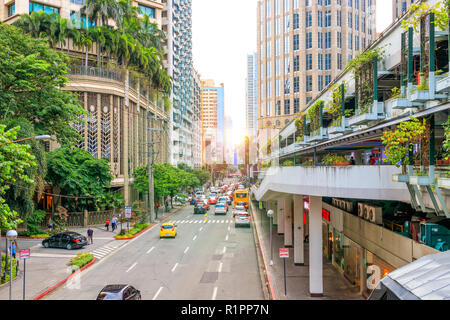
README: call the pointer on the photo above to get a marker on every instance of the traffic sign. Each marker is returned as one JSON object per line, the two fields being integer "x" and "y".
{"x": 284, "y": 252}
{"x": 24, "y": 254}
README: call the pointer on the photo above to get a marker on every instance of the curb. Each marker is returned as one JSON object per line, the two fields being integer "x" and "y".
{"x": 43, "y": 294}
{"x": 269, "y": 280}
{"x": 149, "y": 227}
{"x": 23, "y": 237}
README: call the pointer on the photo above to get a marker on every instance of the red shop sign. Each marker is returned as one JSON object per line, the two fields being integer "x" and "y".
{"x": 326, "y": 214}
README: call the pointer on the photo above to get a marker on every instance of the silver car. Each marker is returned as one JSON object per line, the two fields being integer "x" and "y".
{"x": 220, "y": 209}
{"x": 242, "y": 219}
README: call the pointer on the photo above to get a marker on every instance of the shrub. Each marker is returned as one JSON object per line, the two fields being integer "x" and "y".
{"x": 34, "y": 222}
{"x": 133, "y": 231}
{"x": 81, "y": 260}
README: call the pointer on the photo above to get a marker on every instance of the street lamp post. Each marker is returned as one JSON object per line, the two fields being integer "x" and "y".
{"x": 41, "y": 137}
{"x": 11, "y": 235}
{"x": 270, "y": 215}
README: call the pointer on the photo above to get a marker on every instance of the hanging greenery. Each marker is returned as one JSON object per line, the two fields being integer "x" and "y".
{"x": 399, "y": 142}
{"x": 441, "y": 12}
{"x": 314, "y": 116}
{"x": 299, "y": 124}
{"x": 335, "y": 104}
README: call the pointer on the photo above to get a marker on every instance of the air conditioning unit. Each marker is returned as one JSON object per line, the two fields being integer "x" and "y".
{"x": 375, "y": 214}
{"x": 360, "y": 209}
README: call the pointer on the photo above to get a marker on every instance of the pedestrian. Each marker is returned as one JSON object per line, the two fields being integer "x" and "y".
{"x": 113, "y": 223}
{"x": 50, "y": 226}
{"x": 372, "y": 160}
{"x": 90, "y": 235}
{"x": 13, "y": 248}
{"x": 107, "y": 224}
{"x": 352, "y": 160}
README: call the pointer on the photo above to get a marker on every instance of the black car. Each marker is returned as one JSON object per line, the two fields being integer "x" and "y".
{"x": 199, "y": 208}
{"x": 68, "y": 240}
{"x": 119, "y": 292}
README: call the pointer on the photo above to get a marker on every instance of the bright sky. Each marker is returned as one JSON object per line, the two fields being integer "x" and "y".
{"x": 224, "y": 32}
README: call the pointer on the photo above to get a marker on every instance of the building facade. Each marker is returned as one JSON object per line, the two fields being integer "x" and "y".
{"x": 121, "y": 106}
{"x": 399, "y": 7}
{"x": 301, "y": 46}
{"x": 177, "y": 25}
{"x": 251, "y": 95}
{"x": 213, "y": 122}
{"x": 197, "y": 130}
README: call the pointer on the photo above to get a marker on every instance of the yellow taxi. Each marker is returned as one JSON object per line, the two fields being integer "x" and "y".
{"x": 168, "y": 230}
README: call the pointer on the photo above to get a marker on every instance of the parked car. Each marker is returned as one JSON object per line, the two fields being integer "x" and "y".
{"x": 221, "y": 209}
{"x": 67, "y": 240}
{"x": 168, "y": 230}
{"x": 242, "y": 219}
{"x": 119, "y": 292}
{"x": 199, "y": 208}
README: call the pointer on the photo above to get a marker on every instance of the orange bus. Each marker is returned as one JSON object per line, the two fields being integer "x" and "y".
{"x": 241, "y": 195}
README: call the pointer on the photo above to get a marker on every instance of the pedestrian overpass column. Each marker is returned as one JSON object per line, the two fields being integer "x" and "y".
{"x": 299, "y": 250}
{"x": 280, "y": 209}
{"x": 288, "y": 222}
{"x": 315, "y": 247}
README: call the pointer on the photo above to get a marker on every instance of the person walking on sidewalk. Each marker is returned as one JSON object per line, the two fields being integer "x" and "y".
{"x": 113, "y": 224}
{"x": 107, "y": 224}
{"x": 90, "y": 235}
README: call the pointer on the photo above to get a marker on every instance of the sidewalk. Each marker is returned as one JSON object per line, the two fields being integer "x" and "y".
{"x": 335, "y": 286}
{"x": 47, "y": 267}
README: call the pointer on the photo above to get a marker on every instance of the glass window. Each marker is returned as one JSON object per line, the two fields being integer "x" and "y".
{"x": 357, "y": 22}
{"x": 350, "y": 16}
{"x": 296, "y": 63}
{"x": 277, "y": 6}
{"x": 269, "y": 69}
{"x": 339, "y": 61}
{"x": 350, "y": 3}
{"x": 308, "y": 3}
{"x": 277, "y": 67}
{"x": 286, "y": 44}
{"x": 287, "y": 104}
{"x": 286, "y": 24}
{"x": 11, "y": 9}
{"x": 327, "y": 79}
{"x": 286, "y": 5}
{"x": 308, "y": 83}
{"x": 287, "y": 86}
{"x": 320, "y": 61}
{"x": 320, "y": 83}
{"x": 268, "y": 29}
{"x": 296, "y": 21}
{"x": 339, "y": 40}
{"x": 327, "y": 2}
{"x": 356, "y": 42}
{"x": 308, "y": 19}
{"x": 350, "y": 41}
{"x": 277, "y": 88}
{"x": 278, "y": 108}
{"x": 309, "y": 61}
{"x": 327, "y": 40}
{"x": 269, "y": 49}
{"x": 296, "y": 105}
{"x": 268, "y": 7}
{"x": 319, "y": 18}
{"x": 320, "y": 40}
{"x": 327, "y": 18}
{"x": 287, "y": 65}
{"x": 328, "y": 61}
{"x": 309, "y": 40}
{"x": 269, "y": 89}
{"x": 277, "y": 47}
{"x": 268, "y": 108}
{"x": 144, "y": 10}
{"x": 339, "y": 18}
{"x": 277, "y": 27}
{"x": 296, "y": 42}
{"x": 295, "y": 4}
{"x": 357, "y": 4}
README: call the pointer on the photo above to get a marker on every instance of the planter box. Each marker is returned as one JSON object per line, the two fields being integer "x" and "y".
{"x": 377, "y": 114}
{"x": 420, "y": 180}
{"x": 423, "y": 96}
{"x": 444, "y": 183}
{"x": 401, "y": 103}
{"x": 400, "y": 178}
{"x": 345, "y": 163}
{"x": 340, "y": 129}
{"x": 323, "y": 135}
{"x": 443, "y": 85}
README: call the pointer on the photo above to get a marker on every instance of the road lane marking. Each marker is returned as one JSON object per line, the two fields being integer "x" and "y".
{"x": 200, "y": 229}
{"x": 186, "y": 250}
{"x": 220, "y": 267}
{"x": 214, "y": 293}
{"x": 195, "y": 237}
{"x": 157, "y": 293}
{"x": 151, "y": 249}
{"x": 224, "y": 249}
{"x": 221, "y": 221}
{"x": 134, "y": 265}
{"x": 174, "y": 267}
{"x": 226, "y": 238}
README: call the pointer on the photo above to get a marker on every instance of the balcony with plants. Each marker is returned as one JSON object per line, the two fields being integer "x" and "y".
{"x": 428, "y": 67}
{"x": 316, "y": 122}
{"x": 365, "y": 71}
{"x": 340, "y": 109}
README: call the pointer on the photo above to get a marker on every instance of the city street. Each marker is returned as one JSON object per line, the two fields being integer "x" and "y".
{"x": 212, "y": 260}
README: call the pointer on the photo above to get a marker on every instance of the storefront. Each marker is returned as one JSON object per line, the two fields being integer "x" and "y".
{"x": 352, "y": 261}
{"x": 377, "y": 265}
{"x": 327, "y": 235}
{"x": 338, "y": 250}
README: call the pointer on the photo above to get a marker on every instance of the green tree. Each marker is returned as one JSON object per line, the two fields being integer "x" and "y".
{"x": 15, "y": 159}
{"x": 78, "y": 174}
{"x": 31, "y": 78}
{"x": 202, "y": 175}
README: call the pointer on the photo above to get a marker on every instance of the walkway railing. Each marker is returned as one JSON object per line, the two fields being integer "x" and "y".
{"x": 97, "y": 72}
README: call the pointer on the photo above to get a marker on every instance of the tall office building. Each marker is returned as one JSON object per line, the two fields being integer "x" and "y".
{"x": 197, "y": 130}
{"x": 399, "y": 7}
{"x": 251, "y": 95}
{"x": 177, "y": 24}
{"x": 213, "y": 122}
{"x": 302, "y": 46}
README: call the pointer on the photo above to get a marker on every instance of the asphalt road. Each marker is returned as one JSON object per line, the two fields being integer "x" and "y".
{"x": 212, "y": 260}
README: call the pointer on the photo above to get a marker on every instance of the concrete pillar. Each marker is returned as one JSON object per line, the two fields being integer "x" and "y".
{"x": 273, "y": 206}
{"x": 280, "y": 216}
{"x": 288, "y": 222}
{"x": 299, "y": 249}
{"x": 315, "y": 247}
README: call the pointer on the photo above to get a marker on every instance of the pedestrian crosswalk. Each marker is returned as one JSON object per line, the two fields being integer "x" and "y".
{"x": 105, "y": 250}
{"x": 194, "y": 221}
